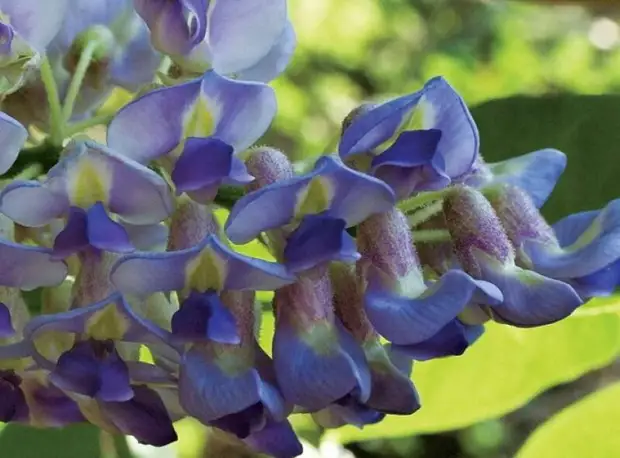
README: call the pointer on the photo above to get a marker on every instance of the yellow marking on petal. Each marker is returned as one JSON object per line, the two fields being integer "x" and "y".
{"x": 589, "y": 235}
{"x": 233, "y": 360}
{"x": 199, "y": 121}
{"x": 322, "y": 338}
{"x": 206, "y": 272}
{"x": 315, "y": 198}
{"x": 90, "y": 183}
{"x": 52, "y": 344}
{"x": 107, "y": 323}
{"x": 412, "y": 285}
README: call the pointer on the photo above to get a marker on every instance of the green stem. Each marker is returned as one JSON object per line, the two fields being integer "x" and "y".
{"x": 78, "y": 127}
{"x": 431, "y": 236}
{"x": 420, "y": 200}
{"x": 422, "y": 215}
{"x": 78, "y": 78}
{"x": 53, "y": 100}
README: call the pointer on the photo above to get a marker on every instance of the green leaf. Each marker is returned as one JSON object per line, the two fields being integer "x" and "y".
{"x": 76, "y": 441}
{"x": 503, "y": 371}
{"x": 586, "y": 128}
{"x": 586, "y": 428}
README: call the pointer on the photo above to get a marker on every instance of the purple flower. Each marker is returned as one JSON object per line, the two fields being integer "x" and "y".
{"x": 13, "y": 137}
{"x": 13, "y": 406}
{"x": 26, "y": 29}
{"x": 400, "y": 304}
{"x": 485, "y": 252}
{"x": 436, "y": 139}
{"x": 331, "y": 189}
{"x": 208, "y": 266}
{"x": 201, "y": 125}
{"x": 581, "y": 249}
{"x": 250, "y": 38}
{"x": 316, "y": 360}
{"x": 86, "y": 186}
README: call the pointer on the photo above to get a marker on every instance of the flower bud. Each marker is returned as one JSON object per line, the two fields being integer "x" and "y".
{"x": 191, "y": 223}
{"x": 475, "y": 228}
{"x": 267, "y": 166}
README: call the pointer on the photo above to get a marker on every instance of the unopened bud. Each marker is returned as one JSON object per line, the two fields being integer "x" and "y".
{"x": 267, "y": 166}
{"x": 474, "y": 227}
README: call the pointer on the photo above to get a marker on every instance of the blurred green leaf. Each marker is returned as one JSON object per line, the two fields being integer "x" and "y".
{"x": 589, "y": 427}
{"x": 586, "y": 128}
{"x": 503, "y": 371}
{"x": 76, "y": 441}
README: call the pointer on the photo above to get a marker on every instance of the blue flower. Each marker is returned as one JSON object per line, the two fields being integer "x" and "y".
{"x": 250, "y": 38}
{"x": 485, "y": 252}
{"x": 436, "y": 139}
{"x": 86, "y": 186}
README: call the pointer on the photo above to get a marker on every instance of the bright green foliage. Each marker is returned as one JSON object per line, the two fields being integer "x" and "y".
{"x": 505, "y": 370}
{"x": 588, "y": 428}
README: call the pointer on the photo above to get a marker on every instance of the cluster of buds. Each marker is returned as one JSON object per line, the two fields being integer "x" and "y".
{"x": 396, "y": 248}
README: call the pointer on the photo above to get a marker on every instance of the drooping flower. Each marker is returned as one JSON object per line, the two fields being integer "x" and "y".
{"x": 417, "y": 316}
{"x": 581, "y": 249}
{"x": 201, "y": 125}
{"x": 391, "y": 389}
{"x": 113, "y": 390}
{"x": 317, "y": 362}
{"x": 88, "y": 185}
{"x": 250, "y": 38}
{"x": 485, "y": 252}
{"x": 316, "y": 207}
{"x": 436, "y": 139}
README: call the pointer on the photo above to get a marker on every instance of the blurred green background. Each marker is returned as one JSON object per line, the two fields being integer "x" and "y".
{"x": 537, "y": 74}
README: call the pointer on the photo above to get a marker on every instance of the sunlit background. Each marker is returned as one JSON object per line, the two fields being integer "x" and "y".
{"x": 352, "y": 51}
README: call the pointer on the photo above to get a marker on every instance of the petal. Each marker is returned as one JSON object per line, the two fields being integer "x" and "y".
{"x": 105, "y": 234}
{"x": 13, "y": 406}
{"x": 243, "y": 422}
{"x": 114, "y": 377}
{"x": 276, "y": 439}
{"x": 110, "y": 319}
{"x": 77, "y": 371}
{"x": 74, "y": 237}
{"x": 590, "y": 242}
{"x": 28, "y": 267}
{"x": 145, "y": 273}
{"x": 313, "y": 367}
{"x": 242, "y": 111}
{"x": 137, "y": 62}
{"x": 536, "y": 172}
{"x": 444, "y": 109}
{"x": 274, "y": 63}
{"x": 144, "y": 416}
{"x": 6, "y": 323}
{"x": 31, "y": 204}
{"x": 204, "y": 316}
{"x": 451, "y": 340}
{"x": 340, "y": 191}
{"x": 137, "y": 194}
{"x": 176, "y": 26}
{"x": 204, "y": 162}
{"x": 392, "y": 389}
{"x": 149, "y": 237}
{"x": 240, "y": 33}
{"x": 600, "y": 283}
{"x": 530, "y": 299}
{"x": 36, "y": 22}
{"x": 267, "y": 208}
{"x": 12, "y": 138}
{"x": 347, "y": 411}
{"x": 152, "y": 125}
{"x": 405, "y": 321}
{"x": 376, "y": 125}
{"x": 208, "y": 391}
{"x": 317, "y": 240}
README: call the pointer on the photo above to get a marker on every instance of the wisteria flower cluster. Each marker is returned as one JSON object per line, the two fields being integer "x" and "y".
{"x": 396, "y": 248}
